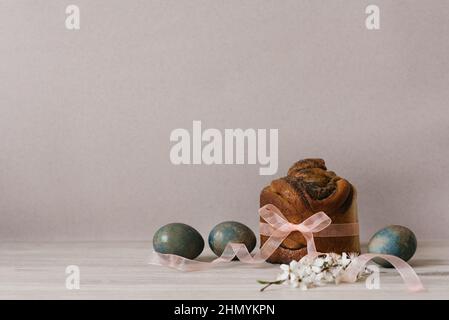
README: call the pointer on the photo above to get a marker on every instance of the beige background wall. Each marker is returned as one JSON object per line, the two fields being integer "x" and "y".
{"x": 85, "y": 117}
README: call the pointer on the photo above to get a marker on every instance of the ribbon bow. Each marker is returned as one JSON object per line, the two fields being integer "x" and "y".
{"x": 278, "y": 227}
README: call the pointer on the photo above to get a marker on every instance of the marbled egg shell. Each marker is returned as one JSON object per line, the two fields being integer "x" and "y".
{"x": 230, "y": 231}
{"x": 179, "y": 239}
{"x": 395, "y": 240}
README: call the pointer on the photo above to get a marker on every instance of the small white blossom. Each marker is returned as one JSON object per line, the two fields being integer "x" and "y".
{"x": 345, "y": 260}
{"x": 285, "y": 267}
{"x": 315, "y": 271}
{"x": 318, "y": 262}
{"x": 353, "y": 255}
{"x": 283, "y": 276}
{"x": 294, "y": 265}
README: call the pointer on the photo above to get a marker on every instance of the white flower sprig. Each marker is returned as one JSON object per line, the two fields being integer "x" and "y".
{"x": 312, "y": 272}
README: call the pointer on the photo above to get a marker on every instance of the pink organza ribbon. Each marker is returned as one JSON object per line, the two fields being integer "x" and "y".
{"x": 277, "y": 230}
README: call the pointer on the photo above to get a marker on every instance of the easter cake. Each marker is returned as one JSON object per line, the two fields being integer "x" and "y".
{"x": 309, "y": 188}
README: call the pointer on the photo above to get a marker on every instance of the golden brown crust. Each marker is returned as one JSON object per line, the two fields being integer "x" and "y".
{"x": 309, "y": 188}
{"x": 307, "y": 164}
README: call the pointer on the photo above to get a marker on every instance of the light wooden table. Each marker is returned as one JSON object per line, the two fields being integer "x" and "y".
{"x": 118, "y": 270}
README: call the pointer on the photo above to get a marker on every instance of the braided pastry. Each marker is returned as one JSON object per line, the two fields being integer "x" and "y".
{"x": 309, "y": 188}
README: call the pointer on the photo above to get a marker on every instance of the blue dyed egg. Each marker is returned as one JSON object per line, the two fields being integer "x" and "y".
{"x": 394, "y": 240}
{"x": 231, "y": 231}
{"x": 179, "y": 239}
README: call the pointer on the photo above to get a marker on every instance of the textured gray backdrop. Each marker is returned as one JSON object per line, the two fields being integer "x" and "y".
{"x": 85, "y": 117}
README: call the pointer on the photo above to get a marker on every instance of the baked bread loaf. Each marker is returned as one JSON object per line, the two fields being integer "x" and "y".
{"x": 309, "y": 188}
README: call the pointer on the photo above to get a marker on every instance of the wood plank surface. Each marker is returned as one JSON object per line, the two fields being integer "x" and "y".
{"x": 119, "y": 270}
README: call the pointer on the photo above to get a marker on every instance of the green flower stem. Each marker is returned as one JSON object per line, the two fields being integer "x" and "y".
{"x": 269, "y": 283}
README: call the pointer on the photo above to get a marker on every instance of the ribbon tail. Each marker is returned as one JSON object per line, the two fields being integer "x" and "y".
{"x": 407, "y": 273}
{"x": 311, "y": 248}
{"x": 231, "y": 251}
{"x": 176, "y": 262}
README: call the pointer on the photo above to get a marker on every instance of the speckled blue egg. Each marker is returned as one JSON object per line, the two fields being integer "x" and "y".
{"x": 231, "y": 231}
{"x": 394, "y": 240}
{"x": 179, "y": 239}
